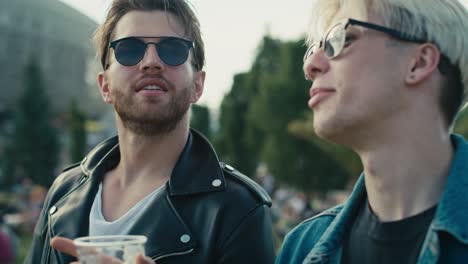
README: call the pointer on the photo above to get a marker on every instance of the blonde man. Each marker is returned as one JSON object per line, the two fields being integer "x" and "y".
{"x": 388, "y": 78}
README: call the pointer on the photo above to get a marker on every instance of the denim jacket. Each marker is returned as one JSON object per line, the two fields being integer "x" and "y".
{"x": 319, "y": 239}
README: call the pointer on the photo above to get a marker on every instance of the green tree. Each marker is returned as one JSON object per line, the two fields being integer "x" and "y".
{"x": 344, "y": 156}
{"x": 7, "y": 162}
{"x": 200, "y": 119}
{"x": 35, "y": 143}
{"x": 231, "y": 141}
{"x": 7, "y": 157}
{"x": 262, "y": 117}
{"x": 238, "y": 139}
{"x": 281, "y": 100}
{"x": 77, "y": 129}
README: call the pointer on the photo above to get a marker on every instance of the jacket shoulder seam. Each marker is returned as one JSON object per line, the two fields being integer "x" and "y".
{"x": 249, "y": 183}
{"x": 330, "y": 212}
{"x": 71, "y": 166}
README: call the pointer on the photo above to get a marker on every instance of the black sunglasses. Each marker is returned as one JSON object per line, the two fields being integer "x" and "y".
{"x": 130, "y": 51}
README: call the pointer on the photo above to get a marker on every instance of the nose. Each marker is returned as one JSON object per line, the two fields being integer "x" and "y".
{"x": 316, "y": 64}
{"x": 151, "y": 59}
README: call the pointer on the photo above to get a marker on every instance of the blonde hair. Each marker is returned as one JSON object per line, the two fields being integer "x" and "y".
{"x": 442, "y": 22}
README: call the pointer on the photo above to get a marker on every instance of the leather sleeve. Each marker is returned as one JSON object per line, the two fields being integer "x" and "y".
{"x": 252, "y": 241}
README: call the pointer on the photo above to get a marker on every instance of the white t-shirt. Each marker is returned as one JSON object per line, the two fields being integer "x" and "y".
{"x": 98, "y": 226}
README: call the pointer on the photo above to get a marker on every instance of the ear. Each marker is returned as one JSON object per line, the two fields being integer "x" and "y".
{"x": 104, "y": 87}
{"x": 423, "y": 64}
{"x": 199, "y": 84}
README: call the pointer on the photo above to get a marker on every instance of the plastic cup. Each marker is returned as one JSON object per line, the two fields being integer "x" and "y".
{"x": 109, "y": 249}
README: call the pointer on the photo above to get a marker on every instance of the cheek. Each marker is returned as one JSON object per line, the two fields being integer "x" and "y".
{"x": 122, "y": 77}
{"x": 182, "y": 77}
{"x": 121, "y": 73}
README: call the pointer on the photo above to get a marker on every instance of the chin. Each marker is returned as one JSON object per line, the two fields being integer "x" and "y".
{"x": 327, "y": 135}
{"x": 330, "y": 131}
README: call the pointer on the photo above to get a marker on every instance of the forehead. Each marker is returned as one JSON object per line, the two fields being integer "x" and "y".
{"x": 148, "y": 23}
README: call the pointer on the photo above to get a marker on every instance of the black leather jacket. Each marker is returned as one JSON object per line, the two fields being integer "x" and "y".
{"x": 207, "y": 213}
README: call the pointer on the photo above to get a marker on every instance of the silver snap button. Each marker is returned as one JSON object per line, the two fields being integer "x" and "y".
{"x": 52, "y": 210}
{"x": 185, "y": 238}
{"x": 229, "y": 167}
{"x": 216, "y": 183}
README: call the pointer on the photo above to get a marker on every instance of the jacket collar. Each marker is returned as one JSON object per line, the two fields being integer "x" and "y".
{"x": 330, "y": 241}
{"x": 196, "y": 171}
{"x": 450, "y": 216}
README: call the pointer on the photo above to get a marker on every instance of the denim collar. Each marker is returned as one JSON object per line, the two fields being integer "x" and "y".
{"x": 331, "y": 239}
{"x": 451, "y": 215}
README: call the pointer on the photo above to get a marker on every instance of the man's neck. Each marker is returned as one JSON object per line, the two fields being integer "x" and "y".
{"x": 146, "y": 163}
{"x": 406, "y": 174}
{"x": 149, "y": 158}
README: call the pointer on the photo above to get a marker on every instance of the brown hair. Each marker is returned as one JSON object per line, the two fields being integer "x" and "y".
{"x": 179, "y": 8}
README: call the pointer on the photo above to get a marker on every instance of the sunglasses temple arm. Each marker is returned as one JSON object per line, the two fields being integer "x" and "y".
{"x": 394, "y": 33}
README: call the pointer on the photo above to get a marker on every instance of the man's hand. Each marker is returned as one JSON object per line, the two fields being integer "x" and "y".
{"x": 66, "y": 245}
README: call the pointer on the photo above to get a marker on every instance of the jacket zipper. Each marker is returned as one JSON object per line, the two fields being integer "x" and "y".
{"x": 173, "y": 254}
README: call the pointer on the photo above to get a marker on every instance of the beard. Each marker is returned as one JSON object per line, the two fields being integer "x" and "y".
{"x": 152, "y": 122}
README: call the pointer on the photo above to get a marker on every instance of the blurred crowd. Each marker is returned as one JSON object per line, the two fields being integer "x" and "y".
{"x": 19, "y": 210}
{"x": 291, "y": 206}
{"x": 21, "y": 206}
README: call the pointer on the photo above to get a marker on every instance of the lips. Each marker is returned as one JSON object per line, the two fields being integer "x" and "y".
{"x": 152, "y": 84}
{"x": 317, "y": 95}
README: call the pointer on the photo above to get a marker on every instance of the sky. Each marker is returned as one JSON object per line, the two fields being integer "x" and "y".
{"x": 232, "y": 31}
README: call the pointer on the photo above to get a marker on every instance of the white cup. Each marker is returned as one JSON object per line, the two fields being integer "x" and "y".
{"x": 109, "y": 249}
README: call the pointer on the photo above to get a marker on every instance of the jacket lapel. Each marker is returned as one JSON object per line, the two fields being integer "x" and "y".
{"x": 166, "y": 231}
{"x": 197, "y": 170}
{"x": 69, "y": 217}
{"x": 328, "y": 248}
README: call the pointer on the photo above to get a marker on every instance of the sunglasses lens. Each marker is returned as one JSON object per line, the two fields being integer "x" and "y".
{"x": 173, "y": 51}
{"x": 334, "y": 41}
{"x": 129, "y": 52}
